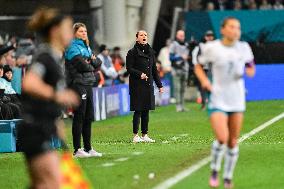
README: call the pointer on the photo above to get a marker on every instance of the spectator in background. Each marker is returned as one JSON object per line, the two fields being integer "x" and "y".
{"x": 194, "y": 5}
{"x": 179, "y": 57}
{"x": 26, "y": 48}
{"x": 18, "y": 73}
{"x": 10, "y": 98}
{"x": 278, "y": 5}
{"x": 16, "y": 63}
{"x": 117, "y": 60}
{"x": 5, "y": 81}
{"x": 251, "y": 4}
{"x": 265, "y": 5}
{"x": 210, "y": 6}
{"x": 221, "y": 5}
{"x": 160, "y": 69}
{"x": 107, "y": 67}
{"x": 119, "y": 65}
{"x": 237, "y": 5}
{"x": 164, "y": 58}
{"x": 98, "y": 74}
{"x": 10, "y": 58}
{"x": 5, "y": 110}
{"x": 3, "y": 53}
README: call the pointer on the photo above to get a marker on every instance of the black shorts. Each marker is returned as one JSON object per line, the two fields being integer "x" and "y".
{"x": 35, "y": 139}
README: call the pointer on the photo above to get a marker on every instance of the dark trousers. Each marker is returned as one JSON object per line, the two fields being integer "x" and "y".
{"x": 144, "y": 116}
{"x": 83, "y": 117}
{"x": 203, "y": 92}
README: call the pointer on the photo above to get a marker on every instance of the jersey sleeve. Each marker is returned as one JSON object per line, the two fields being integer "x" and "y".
{"x": 247, "y": 53}
{"x": 38, "y": 68}
{"x": 205, "y": 54}
{"x": 41, "y": 65}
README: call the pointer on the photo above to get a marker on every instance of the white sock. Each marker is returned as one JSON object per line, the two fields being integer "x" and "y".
{"x": 217, "y": 153}
{"x": 231, "y": 159}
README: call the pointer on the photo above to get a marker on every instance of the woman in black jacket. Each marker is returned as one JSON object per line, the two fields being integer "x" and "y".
{"x": 141, "y": 65}
{"x": 80, "y": 66}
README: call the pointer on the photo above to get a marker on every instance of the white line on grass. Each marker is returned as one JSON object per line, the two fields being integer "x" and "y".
{"x": 122, "y": 159}
{"x": 137, "y": 153}
{"x": 190, "y": 170}
{"x": 108, "y": 164}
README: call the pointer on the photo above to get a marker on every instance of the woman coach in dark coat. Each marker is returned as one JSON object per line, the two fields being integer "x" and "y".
{"x": 141, "y": 65}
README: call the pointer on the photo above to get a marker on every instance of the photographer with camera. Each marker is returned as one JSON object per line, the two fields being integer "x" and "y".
{"x": 80, "y": 72}
{"x": 179, "y": 58}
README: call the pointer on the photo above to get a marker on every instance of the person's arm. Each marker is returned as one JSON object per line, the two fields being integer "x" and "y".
{"x": 250, "y": 69}
{"x": 96, "y": 62}
{"x": 130, "y": 60}
{"x": 201, "y": 75}
{"x": 203, "y": 58}
{"x": 74, "y": 57}
{"x": 34, "y": 85}
{"x": 250, "y": 64}
{"x": 80, "y": 64}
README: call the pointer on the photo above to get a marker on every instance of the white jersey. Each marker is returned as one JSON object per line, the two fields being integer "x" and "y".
{"x": 228, "y": 67}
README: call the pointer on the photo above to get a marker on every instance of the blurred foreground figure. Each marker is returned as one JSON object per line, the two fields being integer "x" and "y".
{"x": 229, "y": 59}
{"x": 44, "y": 95}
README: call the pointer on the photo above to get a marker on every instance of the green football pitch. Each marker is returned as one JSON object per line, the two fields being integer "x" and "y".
{"x": 182, "y": 139}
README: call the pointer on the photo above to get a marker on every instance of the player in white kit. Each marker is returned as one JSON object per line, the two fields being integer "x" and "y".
{"x": 229, "y": 59}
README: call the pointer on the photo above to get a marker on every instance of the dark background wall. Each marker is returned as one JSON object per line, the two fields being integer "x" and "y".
{"x": 14, "y": 14}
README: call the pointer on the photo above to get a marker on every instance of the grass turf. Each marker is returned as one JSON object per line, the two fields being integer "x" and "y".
{"x": 181, "y": 140}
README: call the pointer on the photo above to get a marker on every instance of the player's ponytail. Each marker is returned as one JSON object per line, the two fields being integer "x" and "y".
{"x": 43, "y": 20}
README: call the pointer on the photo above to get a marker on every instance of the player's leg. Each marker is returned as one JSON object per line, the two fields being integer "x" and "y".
{"x": 135, "y": 124}
{"x": 78, "y": 121}
{"x": 232, "y": 153}
{"x": 177, "y": 86}
{"x": 144, "y": 122}
{"x": 182, "y": 90}
{"x": 44, "y": 171}
{"x": 89, "y": 116}
{"x": 219, "y": 123}
{"x": 144, "y": 126}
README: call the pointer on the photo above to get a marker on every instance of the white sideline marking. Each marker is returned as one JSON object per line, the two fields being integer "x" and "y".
{"x": 190, "y": 170}
{"x": 137, "y": 153}
{"x": 108, "y": 164}
{"x": 122, "y": 159}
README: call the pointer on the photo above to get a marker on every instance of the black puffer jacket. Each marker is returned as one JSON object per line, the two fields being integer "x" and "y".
{"x": 79, "y": 72}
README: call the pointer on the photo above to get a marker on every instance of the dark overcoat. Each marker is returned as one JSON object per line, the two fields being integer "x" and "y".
{"x": 141, "y": 91}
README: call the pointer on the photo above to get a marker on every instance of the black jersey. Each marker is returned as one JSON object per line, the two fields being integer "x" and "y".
{"x": 49, "y": 66}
